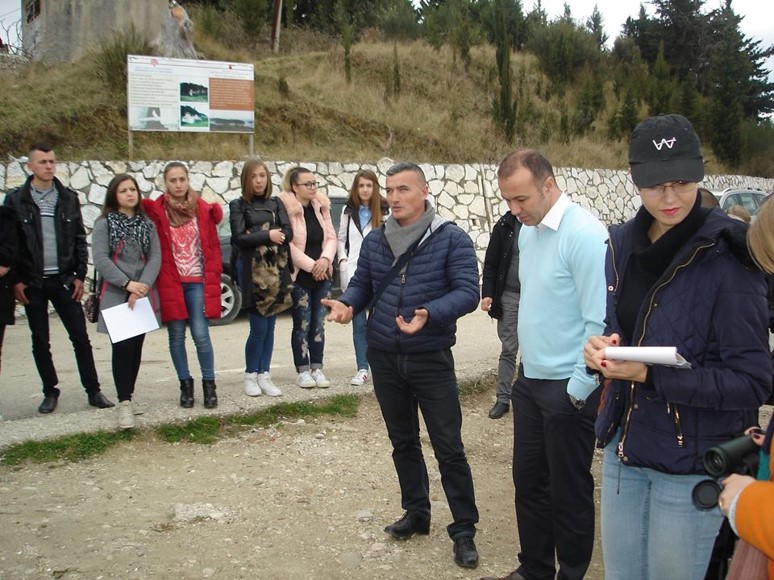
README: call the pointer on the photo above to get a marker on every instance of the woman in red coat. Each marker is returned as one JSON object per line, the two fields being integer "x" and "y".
{"x": 189, "y": 280}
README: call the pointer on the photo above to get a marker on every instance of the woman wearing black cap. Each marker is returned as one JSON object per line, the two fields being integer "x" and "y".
{"x": 677, "y": 275}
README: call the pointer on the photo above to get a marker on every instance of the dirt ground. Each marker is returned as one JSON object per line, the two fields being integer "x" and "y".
{"x": 302, "y": 500}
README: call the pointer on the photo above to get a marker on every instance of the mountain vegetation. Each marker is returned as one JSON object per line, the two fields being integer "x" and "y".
{"x": 447, "y": 81}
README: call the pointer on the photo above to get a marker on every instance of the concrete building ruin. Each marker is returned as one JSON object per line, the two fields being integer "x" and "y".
{"x": 64, "y": 30}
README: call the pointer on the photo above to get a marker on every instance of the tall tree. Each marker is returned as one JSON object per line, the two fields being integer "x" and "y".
{"x": 596, "y": 25}
{"x": 453, "y": 23}
{"x": 506, "y": 13}
{"x": 503, "y": 106}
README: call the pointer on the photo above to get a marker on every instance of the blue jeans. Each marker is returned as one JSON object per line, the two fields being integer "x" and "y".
{"x": 193, "y": 295}
{"x": 359, "y": 339}
{"x": 650, "y": 527}
{"x": 402, "y": 384}
{"x": 308, "y": 337}
{"x": 260, "y": 343}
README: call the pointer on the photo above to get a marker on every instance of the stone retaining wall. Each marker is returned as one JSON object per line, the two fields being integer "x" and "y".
{"x": 468, "y": 194}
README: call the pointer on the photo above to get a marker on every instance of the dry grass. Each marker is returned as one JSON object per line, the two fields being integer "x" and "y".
{"x": 442, "y": 113}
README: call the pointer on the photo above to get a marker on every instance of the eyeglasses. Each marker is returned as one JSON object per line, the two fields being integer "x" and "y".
{"x": 678, "y": 187}
{"x": 310, "y": 184}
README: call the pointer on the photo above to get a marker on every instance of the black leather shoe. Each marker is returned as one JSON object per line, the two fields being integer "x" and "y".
{"x": 49, "y": 404}
{"x": 465, "y": 553}
{"x": 407, "y": 526}
{"x": 97, "y": 399}
{"x": 498, "y": 410}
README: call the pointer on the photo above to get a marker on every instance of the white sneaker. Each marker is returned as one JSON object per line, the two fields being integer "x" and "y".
{"x": 319, "y": 379}
{"x": 252, "y": 388}
{"x": 360, "y": 378}
{"x": 267, "y": 385}
{"x": 125, "y": 415}
{"x": 305, "y": 380}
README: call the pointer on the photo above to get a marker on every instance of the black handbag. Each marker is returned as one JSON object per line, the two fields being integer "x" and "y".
{"x": 91, "y": 306}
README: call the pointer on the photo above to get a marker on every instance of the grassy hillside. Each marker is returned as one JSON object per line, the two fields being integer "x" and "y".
{"x": 442, "y": 113}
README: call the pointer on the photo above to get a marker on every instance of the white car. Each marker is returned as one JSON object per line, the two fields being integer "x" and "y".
{"x": 750, "y": 199}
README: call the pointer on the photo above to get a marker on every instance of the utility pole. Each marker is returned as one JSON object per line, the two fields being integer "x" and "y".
{"x": 276, "y": 25}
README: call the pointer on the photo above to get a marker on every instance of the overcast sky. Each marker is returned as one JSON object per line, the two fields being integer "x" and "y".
{"x": 758, "y": 22}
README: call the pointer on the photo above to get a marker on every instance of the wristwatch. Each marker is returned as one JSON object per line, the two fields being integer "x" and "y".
{"x": 576, "y": 402}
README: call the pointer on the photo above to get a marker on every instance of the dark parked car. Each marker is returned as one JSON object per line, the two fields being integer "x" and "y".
{"x": 230, "y": 295}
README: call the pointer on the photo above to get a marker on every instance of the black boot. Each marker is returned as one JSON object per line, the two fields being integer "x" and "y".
{"x": 186, "y": 393}
{"x": 210, "y": 396}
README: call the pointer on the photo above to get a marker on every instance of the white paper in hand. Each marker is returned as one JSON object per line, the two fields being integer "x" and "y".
{"x": 650, "y": 355}
{"x": 123, "y": 323}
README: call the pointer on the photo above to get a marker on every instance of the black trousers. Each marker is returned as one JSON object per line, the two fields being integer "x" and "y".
{"x": 404, "y": 383}
{"x": 71, "y": 314}
{"x": 127, "y": 356}
{"x": 553, "y": 445}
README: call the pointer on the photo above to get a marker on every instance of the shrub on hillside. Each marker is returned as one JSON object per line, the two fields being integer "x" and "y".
{"x": 109, "y": 58}
{"x": 563, "y": 50}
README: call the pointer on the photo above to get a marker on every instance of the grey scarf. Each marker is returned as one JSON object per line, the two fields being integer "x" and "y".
{"x": 400, "y": 238}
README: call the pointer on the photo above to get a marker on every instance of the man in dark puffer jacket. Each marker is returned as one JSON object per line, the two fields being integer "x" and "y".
{"x": 414, "y": 308}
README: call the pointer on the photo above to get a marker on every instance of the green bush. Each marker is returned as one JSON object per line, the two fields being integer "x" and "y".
{"x": 400, "y": 22}
{"x": 109, "y": 59}
{"x": 563, "y": 50}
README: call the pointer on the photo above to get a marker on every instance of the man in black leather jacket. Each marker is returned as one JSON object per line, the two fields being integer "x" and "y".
{"x": 53, "y": 256}
{"x": 500, "y": 290}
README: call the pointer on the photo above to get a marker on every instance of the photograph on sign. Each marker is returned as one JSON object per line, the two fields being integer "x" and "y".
{"x": 168, "y": 94}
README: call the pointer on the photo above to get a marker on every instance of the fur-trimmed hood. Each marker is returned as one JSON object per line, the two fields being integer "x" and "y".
{"x": 294, "y": 207}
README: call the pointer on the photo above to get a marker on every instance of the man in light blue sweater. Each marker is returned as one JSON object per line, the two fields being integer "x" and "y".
{"x": 561, "y": 271}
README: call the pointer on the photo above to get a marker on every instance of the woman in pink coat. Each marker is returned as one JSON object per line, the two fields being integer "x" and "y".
{"x": 312, "y": 250}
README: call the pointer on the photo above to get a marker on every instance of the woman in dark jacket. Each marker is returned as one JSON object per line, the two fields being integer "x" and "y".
{"x": 680, "y": 276}
{"x": 9, "y": 245}
{"x": 260, "y": 233}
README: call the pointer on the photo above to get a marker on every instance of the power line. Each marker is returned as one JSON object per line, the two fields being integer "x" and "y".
{"x": 14, "y": 11}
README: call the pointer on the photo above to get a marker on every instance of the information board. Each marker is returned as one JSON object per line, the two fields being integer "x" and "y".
{"x": 175, "y": 94}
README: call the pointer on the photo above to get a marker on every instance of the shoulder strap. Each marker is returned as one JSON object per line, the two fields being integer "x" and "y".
{"x": 396, "y": 268}
{"x": 346, "y": 244}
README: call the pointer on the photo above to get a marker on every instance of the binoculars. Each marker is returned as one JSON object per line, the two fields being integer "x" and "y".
{"x": 739, "y": 455}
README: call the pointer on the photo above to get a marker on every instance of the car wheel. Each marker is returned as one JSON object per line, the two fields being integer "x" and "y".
{"x": 230, "y": 301}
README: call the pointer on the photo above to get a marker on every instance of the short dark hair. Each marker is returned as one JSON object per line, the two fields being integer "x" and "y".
{"x": 44, "y": 147}
{"x": 402, "y": 166}
{"x": 537, "y": 164}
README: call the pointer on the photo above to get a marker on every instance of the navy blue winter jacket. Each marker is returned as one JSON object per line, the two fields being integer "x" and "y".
{"x": 711, "y": 304}
{"x": 441, "y": 277}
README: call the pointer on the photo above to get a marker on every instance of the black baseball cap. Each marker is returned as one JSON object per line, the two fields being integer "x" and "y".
{"x": 665, "y": 148}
